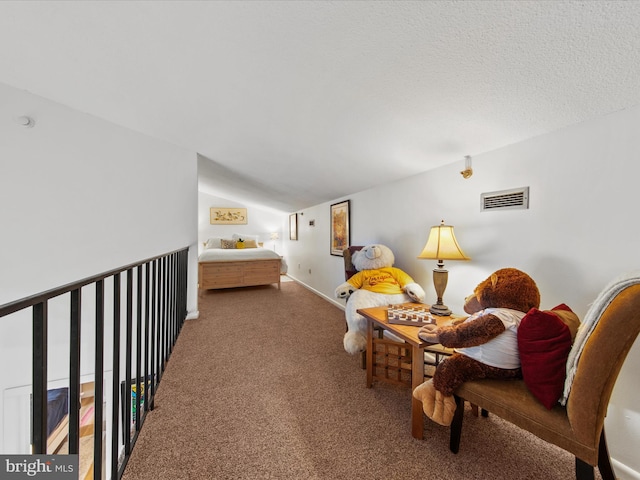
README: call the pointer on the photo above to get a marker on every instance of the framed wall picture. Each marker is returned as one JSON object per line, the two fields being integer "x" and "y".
{"x": 228, "y": 216}
{"x": 339, "y": 227}
{"x": 293, "y": 226}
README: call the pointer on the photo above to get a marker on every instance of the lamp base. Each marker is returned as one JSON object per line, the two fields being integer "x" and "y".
{"x": 440, "y": 277}
{"x": 440, "y": 310}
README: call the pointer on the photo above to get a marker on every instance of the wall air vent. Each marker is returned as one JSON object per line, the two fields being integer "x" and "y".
{"x": 514, "y": 199}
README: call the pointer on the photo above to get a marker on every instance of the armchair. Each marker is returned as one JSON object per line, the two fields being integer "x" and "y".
{"x": 577, "y": 427}
{"x": 349, "y": 269}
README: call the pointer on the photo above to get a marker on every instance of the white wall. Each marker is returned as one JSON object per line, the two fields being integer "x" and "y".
{"x": 260, "y": 221}
{"x": 580, "y": 232}
{"x": 80, "y": 196}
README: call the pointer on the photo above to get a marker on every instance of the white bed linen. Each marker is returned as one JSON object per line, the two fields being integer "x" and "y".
{"x": 237, "y": 254}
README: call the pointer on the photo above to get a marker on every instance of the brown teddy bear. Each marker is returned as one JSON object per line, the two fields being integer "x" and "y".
{"x": 485, "y": 343}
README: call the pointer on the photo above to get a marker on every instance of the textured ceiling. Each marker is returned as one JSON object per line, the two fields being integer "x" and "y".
{"x": 284, "y": 101}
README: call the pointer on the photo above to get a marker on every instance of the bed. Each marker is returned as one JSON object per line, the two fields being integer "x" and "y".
{"x": 220, "y": 265}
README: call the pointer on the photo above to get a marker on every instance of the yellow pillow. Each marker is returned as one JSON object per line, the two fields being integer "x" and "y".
{"x": 250, "y": 244}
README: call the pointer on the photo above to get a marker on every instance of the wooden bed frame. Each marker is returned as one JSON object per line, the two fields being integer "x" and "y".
{"x": 242, "y": 273}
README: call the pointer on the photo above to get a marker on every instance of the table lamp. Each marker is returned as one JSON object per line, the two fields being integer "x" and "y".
{"x": 441, "y": 245}
{"x": 274, "y": 236}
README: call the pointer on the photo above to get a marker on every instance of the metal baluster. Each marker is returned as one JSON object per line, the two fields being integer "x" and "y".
{"x": 115, "y": 384}
{"x": 98, "y": 398}
{"x": 39, "y": 375}
{"x": 127, "y": 383}
{"x": 164, "y": 312}
{"x": 147, "y": 340}
{"x": 138, "y": 346}
{"x": 154, "y": 340}
{"x": 172, "y": 302}
{"x": 74, "y": 372}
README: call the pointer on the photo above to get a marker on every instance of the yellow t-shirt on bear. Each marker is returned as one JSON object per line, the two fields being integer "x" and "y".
{"x": 388, "y": 280}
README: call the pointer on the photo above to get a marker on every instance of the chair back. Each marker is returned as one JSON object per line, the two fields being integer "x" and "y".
{"x": 604, "y": 353}
{"x": 349, "y": 269}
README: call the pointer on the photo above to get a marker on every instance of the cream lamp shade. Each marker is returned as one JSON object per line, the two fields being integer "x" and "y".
{"x": 441, "y": 245}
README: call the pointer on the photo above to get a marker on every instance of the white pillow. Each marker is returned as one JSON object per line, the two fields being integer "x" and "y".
{"x": 237, "y": 236}
{"x": 213, "y": 242}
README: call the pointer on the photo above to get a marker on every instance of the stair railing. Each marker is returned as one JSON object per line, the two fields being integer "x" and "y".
{"x": 149, "y": 308}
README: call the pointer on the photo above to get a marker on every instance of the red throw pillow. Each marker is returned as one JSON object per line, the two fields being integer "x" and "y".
{"x": 544, "y": 341}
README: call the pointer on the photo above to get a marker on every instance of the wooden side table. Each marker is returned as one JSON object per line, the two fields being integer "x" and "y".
{"x": 411, "y": 358}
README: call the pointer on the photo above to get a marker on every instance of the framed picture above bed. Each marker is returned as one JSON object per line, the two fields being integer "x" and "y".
{"x": 339, "y": 227}
{"x": 293, "y": 226}
{"x": 228, "y": 216}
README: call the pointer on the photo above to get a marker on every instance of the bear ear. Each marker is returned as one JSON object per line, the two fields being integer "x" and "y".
{"x": 472, "y": 304}
{"x": 494, "y": 280}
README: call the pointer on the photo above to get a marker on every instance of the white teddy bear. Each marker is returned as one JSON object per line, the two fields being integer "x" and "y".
{"x": 376, "y": 284}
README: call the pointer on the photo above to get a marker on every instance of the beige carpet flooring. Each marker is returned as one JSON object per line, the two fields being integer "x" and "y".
{"x": 259, "y": 387}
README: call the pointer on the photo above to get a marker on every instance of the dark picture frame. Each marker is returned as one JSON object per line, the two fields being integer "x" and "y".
{"x": 340, "y": 227}
{"x": 293, "y": 226}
